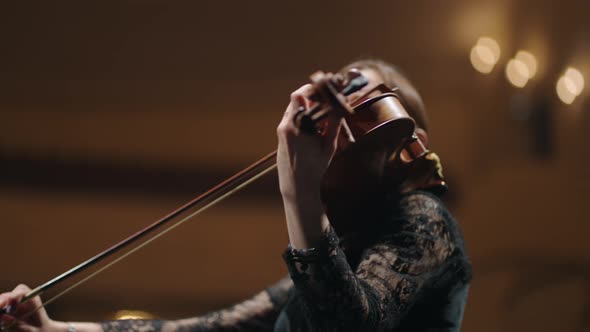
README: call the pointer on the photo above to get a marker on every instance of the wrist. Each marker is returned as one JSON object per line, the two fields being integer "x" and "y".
{"x": 57, "y": 326}
{"x": 305, "y": 224}
{"x": 304, "y": 195}
{"x": 170, "y": 326}
{"x": 306, "y": 219}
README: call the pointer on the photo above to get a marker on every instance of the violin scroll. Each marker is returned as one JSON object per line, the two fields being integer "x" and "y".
{"x": 330, "y": 95}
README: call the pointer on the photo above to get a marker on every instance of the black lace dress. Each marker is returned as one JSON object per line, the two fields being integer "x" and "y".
{"x": 411, "y": 273}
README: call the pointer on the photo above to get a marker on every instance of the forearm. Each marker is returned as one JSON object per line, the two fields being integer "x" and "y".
{"x": 306, "y": 221}
{"x": 118, "y": 326}
{"x": 328, "y": 286}
{"x": 255, "y": 314}
{"x": 78, "y": 327}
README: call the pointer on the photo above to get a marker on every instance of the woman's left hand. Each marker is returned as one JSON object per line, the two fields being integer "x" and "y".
{"x": 302, "y": 159}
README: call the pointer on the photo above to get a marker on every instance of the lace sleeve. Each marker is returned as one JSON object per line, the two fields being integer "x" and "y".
{"x": 388, "y": 279}
{"x": 255, "y": 314}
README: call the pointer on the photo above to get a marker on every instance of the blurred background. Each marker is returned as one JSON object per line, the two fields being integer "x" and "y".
{"x": 113, "y": 113}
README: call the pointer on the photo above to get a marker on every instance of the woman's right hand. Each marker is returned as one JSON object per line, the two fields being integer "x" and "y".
{"x": 29, "y": 316}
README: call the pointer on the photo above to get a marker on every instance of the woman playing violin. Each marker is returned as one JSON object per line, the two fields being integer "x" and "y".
{"x": 393, "y": 262}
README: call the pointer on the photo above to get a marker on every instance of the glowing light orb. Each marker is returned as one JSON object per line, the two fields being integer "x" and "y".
{"x": 570, "y": 85}
{"x": 529, "y": 60}
{"x": 484, "y": 55}
{"x": 517, "y": 73}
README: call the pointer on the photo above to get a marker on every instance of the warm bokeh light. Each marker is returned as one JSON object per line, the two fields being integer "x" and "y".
{"x": 492, "y": 45}
{"x": 485, "y": 54}
{"x": 564, "y": 92}
{"x": 570, "y": 85}
{"x": 482, "y": 59}
{"x": 574, "y": 78}
{"x": 529, "y": 60}
{"x": 517, "y": 73}
{"x": 133, "y": 314}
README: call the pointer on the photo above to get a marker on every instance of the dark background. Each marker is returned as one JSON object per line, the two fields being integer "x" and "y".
{"x": 113, "y": 113}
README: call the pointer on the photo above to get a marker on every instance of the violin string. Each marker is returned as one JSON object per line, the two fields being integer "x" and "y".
{"x": 148, "y": 241}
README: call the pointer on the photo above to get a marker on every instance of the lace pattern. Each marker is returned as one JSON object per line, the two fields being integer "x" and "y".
{"x": 416, "y": 249}
{"x": 411, "y": 253}
{"x": 255, "y": 314}
{"x": 132, "y": 325}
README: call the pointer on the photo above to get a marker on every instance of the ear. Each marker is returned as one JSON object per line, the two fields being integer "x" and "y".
{"x": 422, "y": 135}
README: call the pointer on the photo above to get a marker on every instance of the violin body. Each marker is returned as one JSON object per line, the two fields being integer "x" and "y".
{"x": 378, "y": 155}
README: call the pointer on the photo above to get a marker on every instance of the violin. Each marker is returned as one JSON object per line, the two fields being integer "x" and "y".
{"x": 377, "y": 150}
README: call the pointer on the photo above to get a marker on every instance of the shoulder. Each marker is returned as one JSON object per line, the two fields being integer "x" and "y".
{"x": 414, "y": 239}
{"x": 424, "y": 214}
{"x": 420, "y": 202}
{"x": 426, "y": 210}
